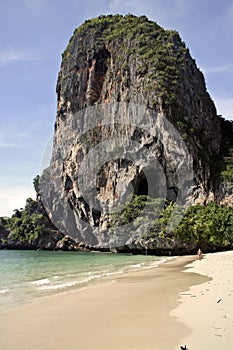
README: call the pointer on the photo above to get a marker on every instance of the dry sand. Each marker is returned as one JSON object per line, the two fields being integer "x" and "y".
{"x": 207, "y": 309}
{"x": 139, "y": 311}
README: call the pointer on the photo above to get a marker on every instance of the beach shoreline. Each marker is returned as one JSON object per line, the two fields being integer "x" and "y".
{"x": 132, "y": 313}
{"x": 142, "y": 310}
{"x": 207, "y": 309}
{"x": 27, "y": 275}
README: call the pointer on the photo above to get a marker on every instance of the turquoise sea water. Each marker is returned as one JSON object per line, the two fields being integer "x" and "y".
{"x": 25, "y": 275}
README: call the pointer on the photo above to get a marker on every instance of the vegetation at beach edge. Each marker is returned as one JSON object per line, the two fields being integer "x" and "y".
{"x": 208, "y": 225}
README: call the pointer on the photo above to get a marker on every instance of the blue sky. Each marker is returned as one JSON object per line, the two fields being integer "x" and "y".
{"x": 34, "y": 33}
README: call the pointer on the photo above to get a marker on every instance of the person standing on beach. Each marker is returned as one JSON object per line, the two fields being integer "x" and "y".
{"x": 199, "y": 254}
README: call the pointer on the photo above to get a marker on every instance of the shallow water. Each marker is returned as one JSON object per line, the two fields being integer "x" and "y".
{"x": 25, "y": 275}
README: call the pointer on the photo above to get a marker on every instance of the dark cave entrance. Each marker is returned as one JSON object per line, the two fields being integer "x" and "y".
{"x": 141, "y": 186}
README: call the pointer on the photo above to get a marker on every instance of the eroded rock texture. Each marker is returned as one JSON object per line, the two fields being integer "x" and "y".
{"x": 133, "y": 106}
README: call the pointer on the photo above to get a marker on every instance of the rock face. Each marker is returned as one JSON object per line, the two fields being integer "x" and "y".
{"x": 133, "y": 118}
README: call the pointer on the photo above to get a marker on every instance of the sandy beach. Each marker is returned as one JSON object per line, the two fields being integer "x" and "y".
{"x": 207, "y": 309}
{"x": 155, "y": 309}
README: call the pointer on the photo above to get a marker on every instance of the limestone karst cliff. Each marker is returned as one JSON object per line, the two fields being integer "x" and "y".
{"x": 134, "y": 118}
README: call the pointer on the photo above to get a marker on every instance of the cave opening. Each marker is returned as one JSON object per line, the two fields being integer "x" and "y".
{"x": 141, "y": 188}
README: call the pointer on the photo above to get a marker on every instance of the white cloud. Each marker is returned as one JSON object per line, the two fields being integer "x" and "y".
{"x": 14, "y": 198}
{"x": 8, "y": 57}
{"x": 5, "y": 144}
{"x": 10, "y": 138}
{"x": 218, "y": 69}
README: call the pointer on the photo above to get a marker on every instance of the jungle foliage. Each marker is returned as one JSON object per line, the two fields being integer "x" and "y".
{"x": 210, "y": 224}
{"x": 25, "y": 225}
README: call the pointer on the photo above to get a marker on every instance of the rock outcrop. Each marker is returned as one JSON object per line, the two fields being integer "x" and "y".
{"x": 133, "y": 118}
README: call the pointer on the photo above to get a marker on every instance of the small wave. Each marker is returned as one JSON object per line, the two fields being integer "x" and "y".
{"x": 49, "y": 286}
{"x": 113, "y": 273}
{"x": 78, "y": 282}
{"x": 159, "y": 262}
{"x": 68, "y": 284}
{"x": 4, "y": 291}
{"x": 41, "y": 282}
{"x": 57, "y": 286}
{"x": 52, "y": 284}
{"x": 136, "y": 266}
{"x": 145, "y": 266}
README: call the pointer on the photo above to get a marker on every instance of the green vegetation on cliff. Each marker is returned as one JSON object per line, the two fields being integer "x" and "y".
{"x": 205, "y": 225}
{"x": 31, "y": 228}
{"x": 25, "y": 225}
{"x": 161, "y": 61}
{"x": 226, "y": 152}
{"x": 127, "y": 59}
{"x": 209, "y": 226}
{"x": 160, "y": 54}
